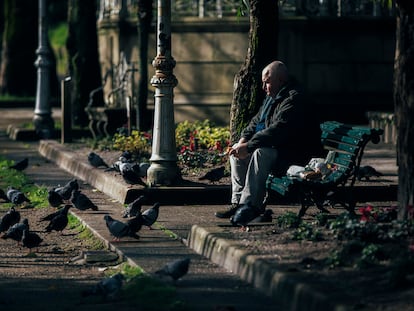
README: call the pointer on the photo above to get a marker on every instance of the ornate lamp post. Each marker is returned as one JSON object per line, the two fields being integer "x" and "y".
{"x": 163, "y": 169}
{"x": 42, "y": 119}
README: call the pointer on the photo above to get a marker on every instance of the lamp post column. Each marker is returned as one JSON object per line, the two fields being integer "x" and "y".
{"x": 163, "y": 169}
{"x": 42, "y": 119}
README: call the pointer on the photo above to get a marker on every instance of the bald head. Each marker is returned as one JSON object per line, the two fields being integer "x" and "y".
{"x": 274, "y": 76}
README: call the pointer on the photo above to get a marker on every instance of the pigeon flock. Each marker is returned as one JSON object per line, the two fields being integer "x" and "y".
{"x": 68, "y": 196}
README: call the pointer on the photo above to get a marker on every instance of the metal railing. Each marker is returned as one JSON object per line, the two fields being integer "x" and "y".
{"x": 221, "y": 8}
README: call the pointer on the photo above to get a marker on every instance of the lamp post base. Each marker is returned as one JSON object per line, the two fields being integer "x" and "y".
{"x": 44, "y": 125}
{"x": 165, "y": 173}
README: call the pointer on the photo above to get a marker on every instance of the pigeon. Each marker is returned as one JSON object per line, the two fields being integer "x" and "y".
{"x": 134, "y": 207}
{"x": 21, "y": 165}
{"x": 214, "y": 175}
{"x": 15, "y": 232}
{"x": 3, "y": 196}
{"x": 175, "y": 269}
{"x": 9, "y": 219}
{"x": 63, "y": 210}
{"x": 60, "y": 221}
{"x": 66, "y": 191}
{"x": 96, "y": 160}
{"x": 265, "y": 217}
{"x": 143, "y": 169}
{"x": 135, "y": 224}
{"x": 31, "y": 239}
{"x": 367, "y": 172}
{"x": 54, "y": 198}
{"x": 118, "y": 229}
{"x": 150, "y": 215}
{"x": 243, "y": 216}
{"x": 131, "y": 174}
{"x": 82, "y": 202}
{"x": 16, "y": 196}
{"x": 108, "y": 288}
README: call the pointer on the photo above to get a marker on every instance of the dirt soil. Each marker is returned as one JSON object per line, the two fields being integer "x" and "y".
{"x": 50, "y": 275}
{"x": 52, "y": 278}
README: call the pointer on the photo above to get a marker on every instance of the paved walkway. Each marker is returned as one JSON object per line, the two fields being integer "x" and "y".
{"x": 207, "y": 285}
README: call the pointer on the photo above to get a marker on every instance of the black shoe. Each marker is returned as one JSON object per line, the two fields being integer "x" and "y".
{"x": 244, "y": 215}
{"x": 230, "y": 211}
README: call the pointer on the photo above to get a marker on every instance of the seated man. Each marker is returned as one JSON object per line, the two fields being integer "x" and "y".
{"x": 282, "y": 133}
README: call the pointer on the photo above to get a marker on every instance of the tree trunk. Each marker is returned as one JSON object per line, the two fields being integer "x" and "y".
{"x": 144, "y": 27}
{"x": 263, "y": 37}
{"x": 404, "y": 105}
{"x": 17, "y": 71}
{"x": 84, "y": 66}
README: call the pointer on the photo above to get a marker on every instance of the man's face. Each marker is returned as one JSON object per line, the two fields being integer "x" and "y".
{"x": 270, "y": 85}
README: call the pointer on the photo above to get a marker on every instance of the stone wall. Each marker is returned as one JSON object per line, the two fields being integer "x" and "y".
{"x": 346, "y": 64}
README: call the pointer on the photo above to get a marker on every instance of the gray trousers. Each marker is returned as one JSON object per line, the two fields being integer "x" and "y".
{"x": 248, "y": 176}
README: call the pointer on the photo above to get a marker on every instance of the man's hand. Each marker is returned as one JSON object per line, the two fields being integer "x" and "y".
{"x": 239, "y": 150}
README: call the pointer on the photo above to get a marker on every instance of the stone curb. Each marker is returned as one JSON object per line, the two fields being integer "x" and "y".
{"x": 290, "y": 291}
{"x": 68, "y": 161}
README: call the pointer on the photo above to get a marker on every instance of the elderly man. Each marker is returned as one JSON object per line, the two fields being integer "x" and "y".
{"x": 282, "y": 133}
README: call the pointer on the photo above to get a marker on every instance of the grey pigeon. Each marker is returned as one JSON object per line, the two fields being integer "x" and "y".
{"x": 134, "y": 224}
{"x": 15, "y": 232}
{"x": 21, "y": 165}
{"x": 16, "y": 196}
{"x": 118, "y": 229}
{"x": 244, "y": 215}
{"x": 175, "y": 269}
{"x": 54, "y": 198}
{"x": 81, "y": 201}
{"x": 3, "y": 196}
{"x": 134, "y": 207}
{"x": 108, "y": 288}
{"x": 265, "y": 217}
{"x": 150, "y": 216}
{"x": 9, "y": 219}
{"x": 214, "y": 175}
{"x": 30, "y": 239}
{"x": 60, "y": 221}
{"x": 96, "y": 160}
{"x": 131, "y": 174}
{"x": 143, "y": 169}
{"x": 63, "y": 210}
{"x": 66, "y": 191}
{"x": 367, "y": 172}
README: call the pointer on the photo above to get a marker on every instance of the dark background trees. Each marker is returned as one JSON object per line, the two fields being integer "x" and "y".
{"x": 19, "y": 43}
{"x": 82, "y": 47}
{"x": 144, "y": 29}
{"x": 404, "y": 105}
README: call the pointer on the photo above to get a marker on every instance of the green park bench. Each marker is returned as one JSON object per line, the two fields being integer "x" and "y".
{"x": 345, "y": 146}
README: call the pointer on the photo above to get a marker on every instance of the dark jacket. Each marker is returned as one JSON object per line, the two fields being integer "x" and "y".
{"x": 291, "y": 127}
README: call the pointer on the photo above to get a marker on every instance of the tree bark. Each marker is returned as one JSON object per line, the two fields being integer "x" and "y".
{"x": 84, "y": 66}
{"x": 404, "y": 105}
{"x": 263, "y": 40}
{"x": 17, "y": 71}
{"x": 144, "y": 28}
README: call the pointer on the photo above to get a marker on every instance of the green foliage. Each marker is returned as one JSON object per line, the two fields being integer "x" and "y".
{"x": 305, "y": 231}
{"x": 88, "y": 238}
{"x": 197, "y": 143}
{"x": 138, "y": 143}
{"x": 18, "y": 180}
{"x": 144, "y": 292}
{"x": 201, "y": 135}
{"x": 289, "y": 220}
{"x": 147, "y": 293}
{"x": 58, "y": 35}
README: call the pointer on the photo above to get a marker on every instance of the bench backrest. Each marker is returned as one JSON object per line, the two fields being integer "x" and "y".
{"x": 345, "y": 144}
